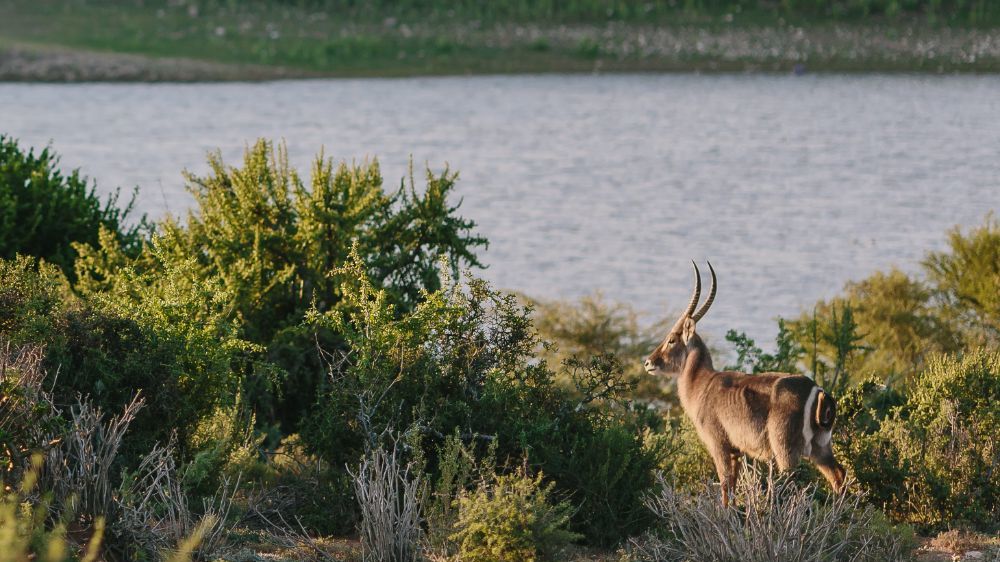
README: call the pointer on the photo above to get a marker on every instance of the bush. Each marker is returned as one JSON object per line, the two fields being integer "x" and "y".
{"x": 169, "y": 342}
{"x": 272, "y": 241}
{"x": 895, "y": 324}
{"x": 512, "y": 519}
{"x": 966, "y": 278}
{"x": 606, "y": 471}
{"x": 153, "y": 513}
{"x": 774, "y": 520}
{"x": 71, "y": 479}
{"x": 932, "y": 458}
{"x": 28, "y": 416}
{"x": 592, "y": 326}
{"x": 463, "y": 358}
{"x": 43, "y": 212}
{"x": 320, "y": 496}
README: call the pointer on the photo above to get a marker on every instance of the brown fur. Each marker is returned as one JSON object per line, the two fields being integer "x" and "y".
{"x": 736, "y": 414}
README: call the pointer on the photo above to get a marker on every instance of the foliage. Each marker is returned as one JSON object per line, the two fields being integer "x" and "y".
{"x": 605, "y": 470}
{"x": 930, "y": 460}
{"x": 572, "y": 331}
{"x": 301, "y": 485}
{"x": 271, "y": 242}
{"x": 463, "y": 358}
{"x": 168, "y": 340}
{"x": 891, "y": 323}
{"x": 225, "y": 447}
{"x": 888, "y": 323}
{"x": 966, "y": 277}
{"x": 43, "y": 212}
{"x": 154, "y": 514}
{"x": 73, "y": 456}
{"x": 28, "y": 416}
{"x": 24, "y": 533}
{"x": 459, "y": 471}
{"x": 513, "y": 518}
{"x": 750, "y": 358}
{"x": 684, "y": 461}
{"x": 591, "y": 326}
{"x": 774, "y": 519}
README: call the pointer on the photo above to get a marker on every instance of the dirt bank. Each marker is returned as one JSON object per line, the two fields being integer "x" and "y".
{"x": 30, "y": 64}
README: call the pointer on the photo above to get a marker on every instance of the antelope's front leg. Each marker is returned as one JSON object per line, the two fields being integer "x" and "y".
{"x": 822, "y": 457}
{"x": 723, "y": 457}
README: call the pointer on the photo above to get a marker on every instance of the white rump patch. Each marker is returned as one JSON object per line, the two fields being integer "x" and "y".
{"x": 807, "y": 428}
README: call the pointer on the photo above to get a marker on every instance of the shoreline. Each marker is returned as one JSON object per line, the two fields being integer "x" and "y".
{"x": 456, "y": 50}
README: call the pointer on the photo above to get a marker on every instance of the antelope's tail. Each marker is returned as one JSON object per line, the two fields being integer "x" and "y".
{"x": 826, "y": 410}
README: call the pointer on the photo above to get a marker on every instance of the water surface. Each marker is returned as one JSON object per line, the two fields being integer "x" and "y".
{"x": 789, "y": 185}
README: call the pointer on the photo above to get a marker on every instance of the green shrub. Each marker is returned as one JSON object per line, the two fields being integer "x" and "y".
{"x": 684, "y": 461}
{"x": 271, "y": 240}
{"x": 459, "y": 469}
{"x": 514, "y": 518}
{"x": 966, "y": 277}
{"x": 592, "y": 326}
{"x": 170, "y": 342}
{"x": 933, "y": 457}
{"x": 463, "y": 358}
{"x": 319, "y": 495}
{"x": 43, "y": 212}
{"x": 606, "y": 470}
{"x": 888, "y": 324}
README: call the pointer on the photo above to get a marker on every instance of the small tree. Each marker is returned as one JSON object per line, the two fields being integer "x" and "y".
{"x": 43, "y": 212}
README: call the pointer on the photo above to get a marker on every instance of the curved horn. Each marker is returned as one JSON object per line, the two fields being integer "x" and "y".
{"x": 711, "y": 297}
{"x": 694, "y": 299}
{"x": 697, "y": 290}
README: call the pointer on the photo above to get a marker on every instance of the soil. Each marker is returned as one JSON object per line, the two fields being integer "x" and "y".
{"x": 64, "y": 65}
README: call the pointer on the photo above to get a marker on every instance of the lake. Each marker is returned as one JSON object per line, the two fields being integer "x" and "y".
{"x": 791, "y": 186}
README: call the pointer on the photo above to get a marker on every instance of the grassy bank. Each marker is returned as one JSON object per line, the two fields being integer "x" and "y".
{"x": 256, "y": 40}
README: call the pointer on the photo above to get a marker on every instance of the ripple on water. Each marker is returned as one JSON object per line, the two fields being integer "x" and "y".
{"x": 791, "y": 186}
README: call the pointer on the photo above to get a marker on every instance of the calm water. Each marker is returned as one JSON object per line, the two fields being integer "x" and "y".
{"x": 791, "y": 186}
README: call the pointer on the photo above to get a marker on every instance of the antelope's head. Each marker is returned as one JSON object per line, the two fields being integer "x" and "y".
{"x": 668, "y": 357}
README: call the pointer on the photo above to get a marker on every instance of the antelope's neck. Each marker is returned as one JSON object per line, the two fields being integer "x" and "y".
{"x": 697, "y": 371}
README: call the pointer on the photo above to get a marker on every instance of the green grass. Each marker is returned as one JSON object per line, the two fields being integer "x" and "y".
{"x": 380, "y": 38}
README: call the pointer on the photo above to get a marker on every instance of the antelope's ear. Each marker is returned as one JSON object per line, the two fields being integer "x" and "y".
{"x": 688, "y": 330}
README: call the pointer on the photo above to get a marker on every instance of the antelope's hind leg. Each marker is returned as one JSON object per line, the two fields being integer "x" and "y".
{"x": 735, "y": 464}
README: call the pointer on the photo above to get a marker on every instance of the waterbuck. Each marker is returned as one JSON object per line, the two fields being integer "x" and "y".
{"x": 769, "y": 416}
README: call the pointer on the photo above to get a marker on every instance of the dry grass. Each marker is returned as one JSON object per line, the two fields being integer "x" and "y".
{"x": 775, "y": 520}
{"x": 388, "y": 492}
{"x": 959, "y": 543}
{"x": 154, "y": 510}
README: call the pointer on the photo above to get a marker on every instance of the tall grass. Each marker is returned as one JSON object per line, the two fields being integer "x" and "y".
{"x": 774, "y": 520}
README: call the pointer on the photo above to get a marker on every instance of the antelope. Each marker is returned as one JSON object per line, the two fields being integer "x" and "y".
{"x": 777, "y": 417}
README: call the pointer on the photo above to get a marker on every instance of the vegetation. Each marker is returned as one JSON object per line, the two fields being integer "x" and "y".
{"x": 776, "y": 520}
{"x": 913, "y": 360}
{"x": 342, "y": 37}
{"x": 512, "y": 519}
{"x": 43, "y": 212}
{"x": 302, "y": 358}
